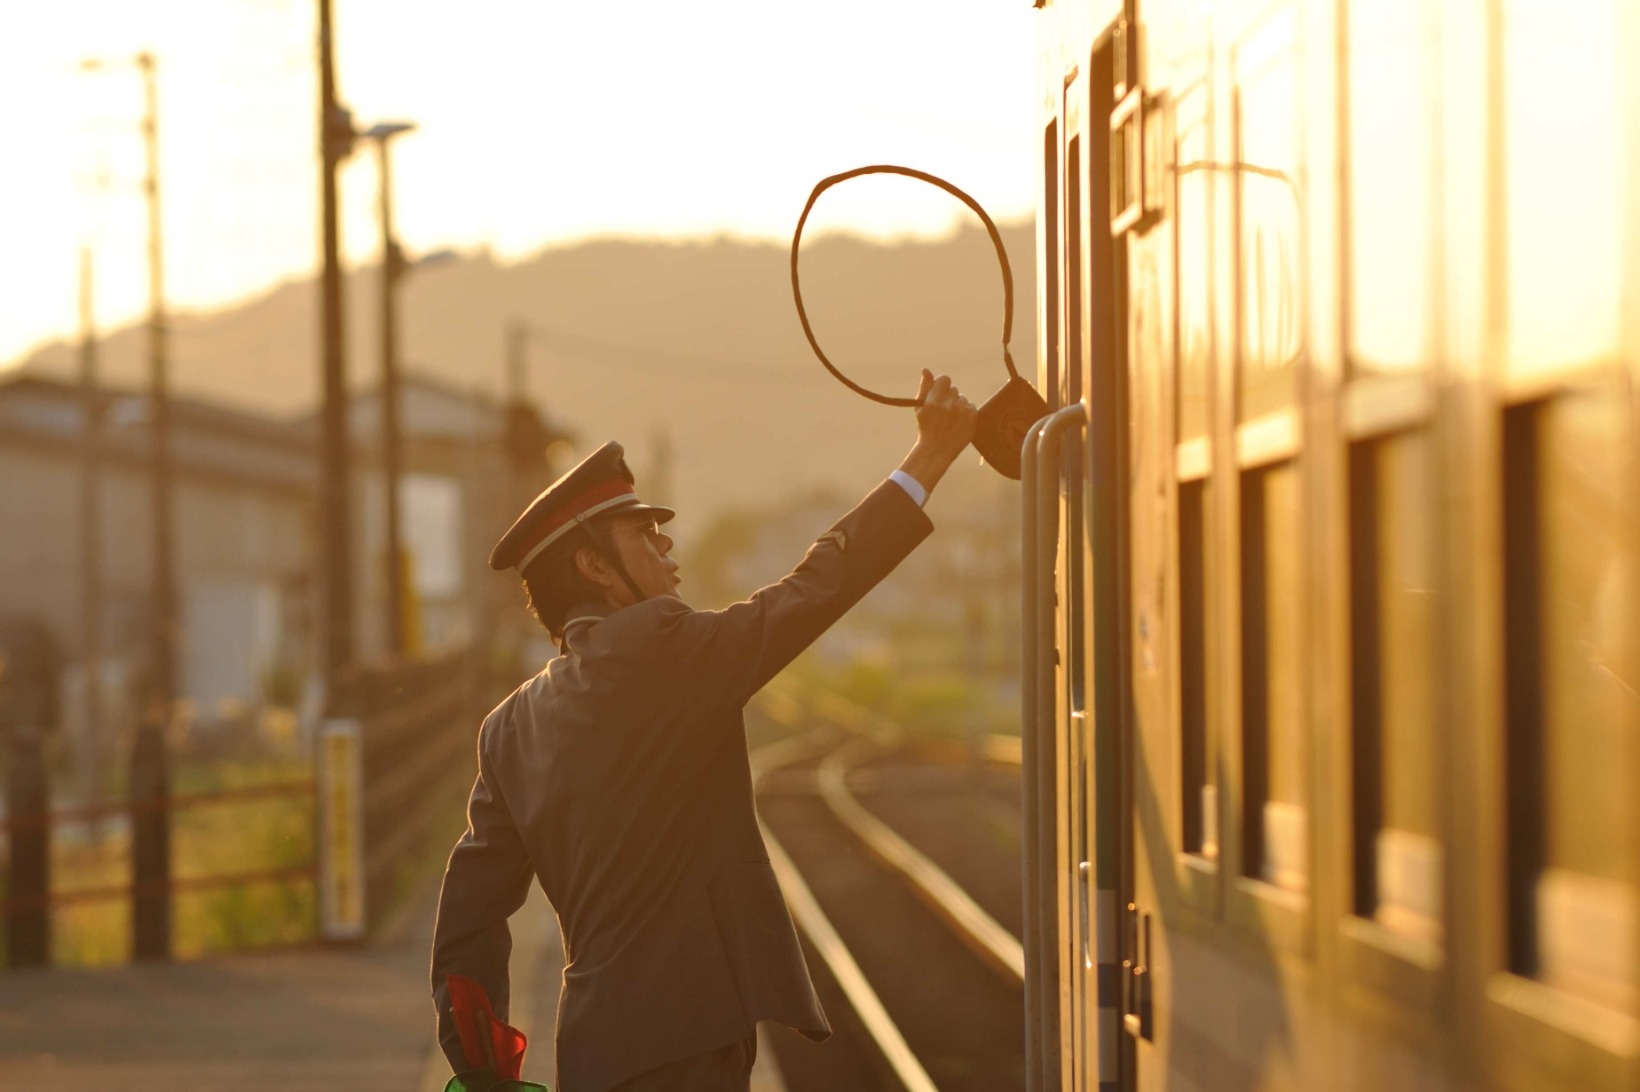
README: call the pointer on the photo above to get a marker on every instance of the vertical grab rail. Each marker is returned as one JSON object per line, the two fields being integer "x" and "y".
{"x": 1034, "y": 1054}
{"x": 1040, "y": 542}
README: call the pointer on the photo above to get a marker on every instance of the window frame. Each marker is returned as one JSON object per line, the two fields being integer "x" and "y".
{"x": 1526, "y": 1033}
{"x": 1407, "y": 972}
{"x": 1199, "y": 878}
{"x": 1280, "y": 918}
{"x": 1545, "y": 1032}
{"x": 1381, "y": 966}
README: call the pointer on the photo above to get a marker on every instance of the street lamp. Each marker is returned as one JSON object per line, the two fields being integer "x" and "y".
{"x": 392, "y": 455}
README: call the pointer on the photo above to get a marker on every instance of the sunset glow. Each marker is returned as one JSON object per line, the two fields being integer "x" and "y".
{"x": 538, "y": 124}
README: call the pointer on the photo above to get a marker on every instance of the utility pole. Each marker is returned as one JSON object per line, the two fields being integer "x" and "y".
{"x": 151, "y": 837}
{"x": 335, "y": 516}
{"x": 165, "y": 611}
{"x": 660, "y": 485}
{"x": 522, "y": 482}
{"x": 518, "y": 341}
{"x": 392, "y": 443}
{"x": 91, "y": 765}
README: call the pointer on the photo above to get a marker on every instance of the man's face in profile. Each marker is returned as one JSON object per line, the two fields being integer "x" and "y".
{"x": 646, "y": 551}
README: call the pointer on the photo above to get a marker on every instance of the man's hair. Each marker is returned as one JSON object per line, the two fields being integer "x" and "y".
{"x": 553, "y": 584}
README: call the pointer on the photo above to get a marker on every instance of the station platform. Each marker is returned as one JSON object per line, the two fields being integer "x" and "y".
{"x": 311, "y": 1019}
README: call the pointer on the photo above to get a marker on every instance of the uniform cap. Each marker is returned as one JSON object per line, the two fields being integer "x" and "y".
{"x": 600, "y": 485}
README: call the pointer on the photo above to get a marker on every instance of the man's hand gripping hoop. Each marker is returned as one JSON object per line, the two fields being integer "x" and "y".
{"x": 1000, "y": 429}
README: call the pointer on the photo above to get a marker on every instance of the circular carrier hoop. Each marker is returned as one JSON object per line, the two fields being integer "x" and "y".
{"x": 933, "y": 180}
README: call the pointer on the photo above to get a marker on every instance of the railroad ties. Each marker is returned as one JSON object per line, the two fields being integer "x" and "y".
{"x": 941, "y": 1007}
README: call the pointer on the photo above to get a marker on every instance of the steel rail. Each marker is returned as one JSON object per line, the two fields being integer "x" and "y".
{"x": 954, "y": 905}
{"x": 813, "y": 921}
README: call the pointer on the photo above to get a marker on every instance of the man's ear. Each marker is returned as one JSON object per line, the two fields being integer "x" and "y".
{"x": 594, "y": 567}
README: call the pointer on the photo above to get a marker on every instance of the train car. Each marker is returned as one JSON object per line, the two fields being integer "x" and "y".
{"x": 1332, "y": 582}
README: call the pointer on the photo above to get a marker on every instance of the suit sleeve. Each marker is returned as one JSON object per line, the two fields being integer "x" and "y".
{"x": 486, "y": 880}
{"x": 728, "y": 655}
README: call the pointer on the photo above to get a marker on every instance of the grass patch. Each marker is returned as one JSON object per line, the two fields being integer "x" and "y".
{"x": 923, "y": 702}
{"x": 207, "y": 840}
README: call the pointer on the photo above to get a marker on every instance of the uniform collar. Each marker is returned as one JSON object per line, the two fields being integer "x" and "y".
{"x": 584, "y": 616}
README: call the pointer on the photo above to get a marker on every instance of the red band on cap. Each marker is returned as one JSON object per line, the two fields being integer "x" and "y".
{"x": 592, "y": 498}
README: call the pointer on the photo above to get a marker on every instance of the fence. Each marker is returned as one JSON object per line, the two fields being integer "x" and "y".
{"x": 30, "y": 825}
{"x": 417, "y": 725}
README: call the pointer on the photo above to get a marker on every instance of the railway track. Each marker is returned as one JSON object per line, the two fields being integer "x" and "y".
{"x": 922, "y": 983}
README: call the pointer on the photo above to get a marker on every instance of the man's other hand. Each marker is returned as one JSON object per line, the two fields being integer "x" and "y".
{"x": 945, "y": 425}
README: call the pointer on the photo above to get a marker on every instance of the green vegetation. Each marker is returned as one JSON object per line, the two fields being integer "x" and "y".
{"x": 207, "y": 840}
{"x": 252, "y": 836}
{"x": 924, "y": 702}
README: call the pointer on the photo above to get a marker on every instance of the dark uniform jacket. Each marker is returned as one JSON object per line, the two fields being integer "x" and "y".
{"x": 618, "y": 777}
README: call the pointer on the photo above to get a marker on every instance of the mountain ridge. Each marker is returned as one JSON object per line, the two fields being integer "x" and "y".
{"x": 632, "y": 338}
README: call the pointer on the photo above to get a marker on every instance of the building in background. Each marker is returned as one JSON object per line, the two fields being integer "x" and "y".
{"x": 244, "y": 541}
{"x": 461, "y": 487}
{"x": 247, "y": 537}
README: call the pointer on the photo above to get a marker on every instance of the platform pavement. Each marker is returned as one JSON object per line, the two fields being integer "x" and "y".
{"x": 312, "y": 1019}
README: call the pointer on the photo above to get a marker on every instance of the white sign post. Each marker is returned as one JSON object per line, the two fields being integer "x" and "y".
{"x": 341, "y": 829}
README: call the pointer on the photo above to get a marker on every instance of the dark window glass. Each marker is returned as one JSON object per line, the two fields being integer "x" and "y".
{"x": 1050, "y": 272}
{"x": 1275, "y": 791}
{"x": 1397, "y": 859}
{"x": 1571, "y": 694}
{"x": 1197, "y": 750}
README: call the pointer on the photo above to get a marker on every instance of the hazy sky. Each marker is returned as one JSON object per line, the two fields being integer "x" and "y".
{"x": 540, "y": 122}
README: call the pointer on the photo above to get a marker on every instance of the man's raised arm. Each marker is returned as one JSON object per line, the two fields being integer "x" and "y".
{"x": 730, "y": 654}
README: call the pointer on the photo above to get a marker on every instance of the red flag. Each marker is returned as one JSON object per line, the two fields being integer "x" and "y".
{"x": 470, "y": 1008}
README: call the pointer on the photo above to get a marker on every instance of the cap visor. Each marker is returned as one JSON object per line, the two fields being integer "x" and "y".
{"x": 662, "y": 513}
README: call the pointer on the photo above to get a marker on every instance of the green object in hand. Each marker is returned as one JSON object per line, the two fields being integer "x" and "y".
{"x": 484, "y": 1080}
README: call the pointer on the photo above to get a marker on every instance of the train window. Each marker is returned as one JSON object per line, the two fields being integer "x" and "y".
{"x": 1074, "y": 312}
{"x": 1397, "y": 855}
{"x": 1275, "y": 788}
{"x": 1074, "y": 455}
{"x": 1199, "y": 754}
{"x": 1270, "y": 283}
{"x": 1563, "y": 183}
{"x": 1048, "y": 244}
{"x": 1391, "y": 184}
{"x": 1573, "y": 818}
{"x": 1193, "y": 202}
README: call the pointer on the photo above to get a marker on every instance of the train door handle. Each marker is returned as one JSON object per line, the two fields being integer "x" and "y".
{"x": 1084, "y": 910}
{"x": 1137, "y": 1016}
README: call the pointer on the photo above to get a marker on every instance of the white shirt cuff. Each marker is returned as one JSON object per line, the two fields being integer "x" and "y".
{"x": 913, "y": 488}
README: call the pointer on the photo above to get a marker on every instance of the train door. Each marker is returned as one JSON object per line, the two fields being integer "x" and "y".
{"x": 1075, "y": 683}
{"x": 1169, "y": 784}
{"x": 1163, "y": 216}
{"x": 1095, "y": 599}
{"x": 1077, "y": 915}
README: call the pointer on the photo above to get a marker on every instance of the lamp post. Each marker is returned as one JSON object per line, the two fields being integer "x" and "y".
{"x": 392, "y": 445}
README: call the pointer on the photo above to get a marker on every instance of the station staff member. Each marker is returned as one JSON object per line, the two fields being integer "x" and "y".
{"x": 618, "y": 777}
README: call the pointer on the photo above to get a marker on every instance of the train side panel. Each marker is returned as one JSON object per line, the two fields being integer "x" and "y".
{"x": 1354, "y": 594}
